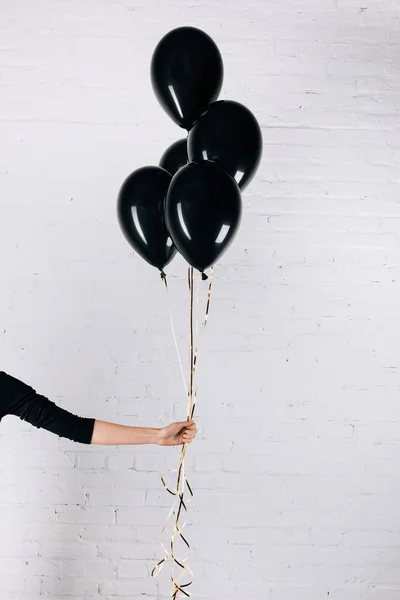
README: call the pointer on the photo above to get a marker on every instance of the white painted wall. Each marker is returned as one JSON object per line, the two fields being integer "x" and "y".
{"x": 296, "y": 471}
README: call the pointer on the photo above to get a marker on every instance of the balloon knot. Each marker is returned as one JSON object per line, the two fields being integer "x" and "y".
{"x": 163, "y": 275}
{"x": 204, "y": 276}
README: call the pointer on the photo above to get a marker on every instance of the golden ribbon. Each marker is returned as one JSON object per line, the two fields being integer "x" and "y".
{"x": 180, "y": 504}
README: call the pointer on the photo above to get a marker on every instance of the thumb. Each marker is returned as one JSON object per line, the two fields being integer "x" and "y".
{"x": 184, "y": 424}
{"x": 181, "y": 424}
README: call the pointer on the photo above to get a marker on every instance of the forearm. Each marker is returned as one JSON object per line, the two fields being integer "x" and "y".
{"x": 114, "y": 434}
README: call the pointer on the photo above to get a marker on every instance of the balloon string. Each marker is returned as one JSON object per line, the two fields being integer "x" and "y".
{"x": 171, "y": 320}
{"x": 181, "y": 502}
{"x": 198, "y": 336}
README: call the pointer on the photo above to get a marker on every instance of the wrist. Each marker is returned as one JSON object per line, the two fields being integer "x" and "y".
{"x": 155, "y": 435}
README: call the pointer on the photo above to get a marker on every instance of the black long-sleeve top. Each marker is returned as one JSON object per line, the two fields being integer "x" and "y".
{"x": 18, "y": 398}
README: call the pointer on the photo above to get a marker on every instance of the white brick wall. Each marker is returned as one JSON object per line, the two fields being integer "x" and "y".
{"x": 296, "y": 469}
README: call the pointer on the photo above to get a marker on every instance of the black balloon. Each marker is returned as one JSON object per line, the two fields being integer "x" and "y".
{"x": 203, "y": 210}
{"x": 229, "y": 134}
{"x": 175, "y": 157}
{"x": 140, "y": 210}
{"x": 186, "y": 74}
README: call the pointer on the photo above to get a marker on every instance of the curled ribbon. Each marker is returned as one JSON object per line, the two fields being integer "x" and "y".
{"x": 181, "y": 502}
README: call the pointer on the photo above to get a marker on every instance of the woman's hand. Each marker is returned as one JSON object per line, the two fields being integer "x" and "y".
{"x": 177, "y": 434}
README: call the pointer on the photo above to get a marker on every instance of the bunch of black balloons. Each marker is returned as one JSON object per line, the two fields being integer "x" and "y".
{"x": 191, "y": 202}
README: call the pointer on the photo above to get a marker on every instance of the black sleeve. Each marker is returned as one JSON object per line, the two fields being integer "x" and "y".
{"x": 19, "y": 399}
